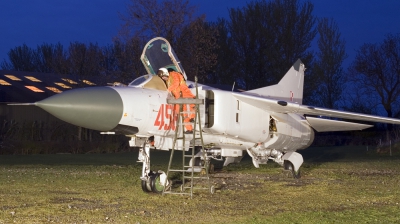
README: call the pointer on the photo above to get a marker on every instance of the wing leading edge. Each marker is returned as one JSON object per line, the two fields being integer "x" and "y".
{"x": 278, "y": 106}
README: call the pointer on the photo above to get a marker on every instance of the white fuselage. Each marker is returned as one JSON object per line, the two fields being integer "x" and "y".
{"x": 225, "y": 120}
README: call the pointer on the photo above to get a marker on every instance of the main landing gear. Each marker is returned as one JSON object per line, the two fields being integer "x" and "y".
{"x": 151, "y": 181}
{"x": 289, "y": 166}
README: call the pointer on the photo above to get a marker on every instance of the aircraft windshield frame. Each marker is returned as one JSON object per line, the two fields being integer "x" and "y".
{"x": 141, "y": 80}
{"x": 149, "y": 81}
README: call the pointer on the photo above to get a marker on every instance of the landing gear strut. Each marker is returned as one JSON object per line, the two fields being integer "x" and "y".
{"x": 151, "y": 181}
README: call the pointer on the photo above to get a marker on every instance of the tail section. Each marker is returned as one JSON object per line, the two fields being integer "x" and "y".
{"x": 289, "y": 88}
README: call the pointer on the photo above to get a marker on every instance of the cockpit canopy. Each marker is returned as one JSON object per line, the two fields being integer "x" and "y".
{"x": 157, "y": 53}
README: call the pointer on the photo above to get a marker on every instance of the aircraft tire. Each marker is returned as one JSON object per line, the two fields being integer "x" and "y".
{"x": 146, "y": 184}
{"x": 198, "y": 162}
{"x": 155, "y": 184}
{"x": 289, "y": 166}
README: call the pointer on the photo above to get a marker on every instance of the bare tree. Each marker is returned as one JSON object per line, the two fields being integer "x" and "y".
{"x": 21, "y": 59}
{"x": 85, "y": 61}
{"x": 291, "y": 23}
{"x": 328, "y": 75}
{"x": 197, "y": 46}
{"x": 122, "y": 59}
{"x": 193, "y": 40}
{"x": 224, "y": 68}
{"x": 151, "y": 18}
{"x": 50, "y": 58}
{"x": 375, "y": 73}
{"x": 59, "y": 59}
{"x": 265, "y": 38}
{"x": 45, "y": 58}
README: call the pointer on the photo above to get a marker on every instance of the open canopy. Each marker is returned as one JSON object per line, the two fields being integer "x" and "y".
{"x": 158, "y": 53}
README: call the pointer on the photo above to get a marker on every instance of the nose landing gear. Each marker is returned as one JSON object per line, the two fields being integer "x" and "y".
{"x": 151, "y": 181}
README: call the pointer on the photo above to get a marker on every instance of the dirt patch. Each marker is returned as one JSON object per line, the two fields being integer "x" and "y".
{"x": 64, "y": 192}
{"x": 61, "y": 200}
{"x": 371, "y": 172}
{"x": 223, "y": 180}
{"x": 83, "y": 203}
{"x": 5, "y": 208}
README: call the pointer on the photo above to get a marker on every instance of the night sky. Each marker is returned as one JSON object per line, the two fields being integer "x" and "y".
{"x": 97, "y": 21}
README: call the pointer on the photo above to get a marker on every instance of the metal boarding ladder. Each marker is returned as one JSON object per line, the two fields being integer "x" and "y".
{"x": 188, "y": 170}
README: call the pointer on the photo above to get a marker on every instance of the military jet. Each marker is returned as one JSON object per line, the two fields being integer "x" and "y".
{"x": 268, "y": 123}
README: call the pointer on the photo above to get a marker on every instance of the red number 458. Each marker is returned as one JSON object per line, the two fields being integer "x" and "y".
{"x": 166, "y": 117}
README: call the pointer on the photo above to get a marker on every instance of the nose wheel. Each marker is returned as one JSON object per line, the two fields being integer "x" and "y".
{"x": 150, "y": 181}
{"x": 146, "y": 183}
{"x": 155, "y": 182}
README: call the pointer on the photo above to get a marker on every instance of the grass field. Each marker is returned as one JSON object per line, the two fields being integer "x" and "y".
{"x": 338, "y": 185}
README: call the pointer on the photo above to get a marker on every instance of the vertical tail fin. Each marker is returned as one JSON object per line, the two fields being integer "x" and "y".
{"x": 289, "y": 88}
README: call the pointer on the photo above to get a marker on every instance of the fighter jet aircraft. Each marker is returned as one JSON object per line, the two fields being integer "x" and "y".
{"x": 268, "y": 123}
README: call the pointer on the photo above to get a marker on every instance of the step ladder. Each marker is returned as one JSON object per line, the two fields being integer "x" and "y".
{"x": 188, "y": 169}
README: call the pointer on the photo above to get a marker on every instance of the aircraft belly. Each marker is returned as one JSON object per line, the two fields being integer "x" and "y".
{"x": 225, "y": 139}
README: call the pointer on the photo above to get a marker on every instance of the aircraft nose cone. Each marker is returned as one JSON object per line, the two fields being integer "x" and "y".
{"x": 98, "y": 108}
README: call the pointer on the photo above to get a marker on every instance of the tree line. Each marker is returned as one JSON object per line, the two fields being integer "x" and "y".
{"x": 252, "y": 48}
{"x": 102, "y": 63}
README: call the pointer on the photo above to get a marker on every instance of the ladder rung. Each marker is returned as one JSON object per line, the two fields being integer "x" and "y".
{"x": 195, "y": 167}
{"x": 170, "y": 170}
{"x": 180, "y": 193}
{"x": 185, "y": 171}
{"x": 195, "y": 170}
{"x": 185, "y": 101}
{"x": 189, "y": 177}
{"x": 187, "y": 123}
{"x": 204, "y": 188}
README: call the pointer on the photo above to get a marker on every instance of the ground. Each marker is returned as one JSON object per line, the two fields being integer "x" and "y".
{"x": 338, "y": 185}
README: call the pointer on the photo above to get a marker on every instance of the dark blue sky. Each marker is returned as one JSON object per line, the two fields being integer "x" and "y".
{"x": 43, "y": 21}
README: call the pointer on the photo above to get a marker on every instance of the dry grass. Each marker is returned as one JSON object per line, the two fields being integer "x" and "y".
{"x": 339, "y": 185}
